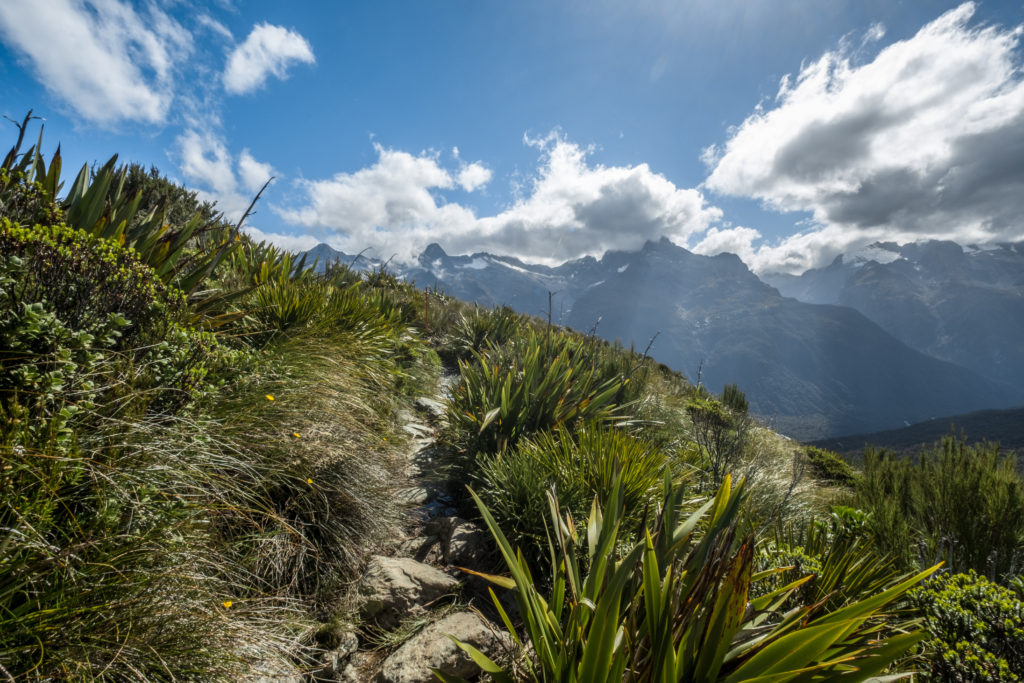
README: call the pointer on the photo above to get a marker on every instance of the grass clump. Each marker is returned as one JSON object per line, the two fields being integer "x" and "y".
{"x": 829, "y": 467}
{"x": 578, "y": 467}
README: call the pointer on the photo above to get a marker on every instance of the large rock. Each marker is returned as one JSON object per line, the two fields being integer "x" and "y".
{"x": 396, "y": 587}
{"x": 432, "y": 649}
{"x": 468, "y": 545}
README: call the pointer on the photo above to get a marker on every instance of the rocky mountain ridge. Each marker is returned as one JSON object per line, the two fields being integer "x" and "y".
{"x": 960, "y": 304}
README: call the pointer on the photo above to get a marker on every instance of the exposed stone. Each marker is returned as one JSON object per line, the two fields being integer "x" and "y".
{"x": 434, "y": 408}
{"x": 414, "y": 495}
{"x": 432, "y": 649}
{"x": 359, "y": 668}
{"x": 396, "y": 587}
{"x": 274, "y": 671}
{"x": 334, "y": 662}
{"x": 468, "y": 545}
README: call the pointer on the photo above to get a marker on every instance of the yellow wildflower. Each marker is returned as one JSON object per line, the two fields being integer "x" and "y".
{"x": 295, "y": 434}
{"x": 309, "y": 480}
{"x": 227, "y": 604}
{"x": 269, "y": 397}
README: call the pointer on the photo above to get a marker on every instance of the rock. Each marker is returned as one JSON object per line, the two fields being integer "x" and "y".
{"x": 395, "y": 587}
{"x": 274, "y": 671}
{"x": 432, "y": 407}
{"x": 469, "y": 545}
{"x": 334, "y": 662}
{"x": 424, "y": 548}
{"x": 414, "y": 495}
{"x": 359, "y": 668}
{"x": 432, "y": 649}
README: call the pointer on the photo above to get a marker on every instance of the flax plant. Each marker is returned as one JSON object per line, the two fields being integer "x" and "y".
{"x": 677, "y": 606}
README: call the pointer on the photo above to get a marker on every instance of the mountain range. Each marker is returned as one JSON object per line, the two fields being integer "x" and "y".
{"x": 961, "y": 305}
{"x": 813, "y": 368}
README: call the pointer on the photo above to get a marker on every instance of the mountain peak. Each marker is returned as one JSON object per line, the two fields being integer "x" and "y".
{"x": 434, "y": 252}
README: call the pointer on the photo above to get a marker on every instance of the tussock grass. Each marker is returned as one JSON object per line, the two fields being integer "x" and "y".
{"x": 322, "y": 448}
{"x": 114, "y": 567}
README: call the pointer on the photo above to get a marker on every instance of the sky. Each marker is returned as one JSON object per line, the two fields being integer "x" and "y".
{"x": 785, "y": 131}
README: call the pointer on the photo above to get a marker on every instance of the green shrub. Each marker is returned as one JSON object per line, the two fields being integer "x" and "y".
{"x": 81, "y": 316}
{"x": 975, "y": 629}
{"x": 958, "y": 503}
{"x": 578, "y": 467}
{"x": 82, "y": 279}
{"x": 829, "y": 467}
{"x": 721, "y": 429}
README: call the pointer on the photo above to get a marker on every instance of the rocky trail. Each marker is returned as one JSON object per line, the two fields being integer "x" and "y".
{"x": 415, "y": 596}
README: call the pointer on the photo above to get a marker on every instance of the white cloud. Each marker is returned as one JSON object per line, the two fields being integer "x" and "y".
{"x": 571, "y": 208}
{"x": 923, "y": 141}
{"x": 209, "y": 168}
{"x": 105, "y": 59}
{"x": 739, "y": 241}
{"x": 253, "y": 174}
{"x": 206, "y": 21}
{"x": 293, "y": 243}
{"x": 267, "y": 51}
{"x": 473, "y": 176}
{"x": 874, "y": 33}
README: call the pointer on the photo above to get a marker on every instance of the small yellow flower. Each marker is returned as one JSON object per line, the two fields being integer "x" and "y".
{"x": 309, "y": 480}
{"x": 269, "y": 397}
{"x": 227, "y": 604}
{"x": 295, "y": 434}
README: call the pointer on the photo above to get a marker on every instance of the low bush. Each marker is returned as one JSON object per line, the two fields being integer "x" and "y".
{"x": 478, "y": 329}
{"x": 975, "y": 629}
{"x": 721, "y": 428}
{"x": 958, "y": 503}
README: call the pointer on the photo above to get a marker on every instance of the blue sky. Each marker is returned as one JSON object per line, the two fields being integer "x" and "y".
{"x": 783, "y": 131}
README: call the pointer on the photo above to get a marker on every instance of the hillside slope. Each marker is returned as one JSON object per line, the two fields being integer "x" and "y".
{"x": 811, "y": 370}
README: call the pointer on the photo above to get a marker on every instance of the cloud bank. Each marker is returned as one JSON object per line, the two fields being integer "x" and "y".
{"x": 924, "y": 141}
{"x": 109, "y": 62}
{"x": 572, "y": 207}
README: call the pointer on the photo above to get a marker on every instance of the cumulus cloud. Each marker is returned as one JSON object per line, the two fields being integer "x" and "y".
{"x": 570, "y": 209}
{"x": 923, "y": 141}
{"x": 267, "y": 51}
{"x": 252, "y": 173}
{"x": 210, "y": 169}
{"x": 739, "y": 241}
{"x": 109, "y": 62}
{"x": 473, "y": 176}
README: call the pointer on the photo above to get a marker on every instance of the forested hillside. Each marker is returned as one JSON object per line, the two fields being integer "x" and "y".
{"x": 204, "y": 451}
